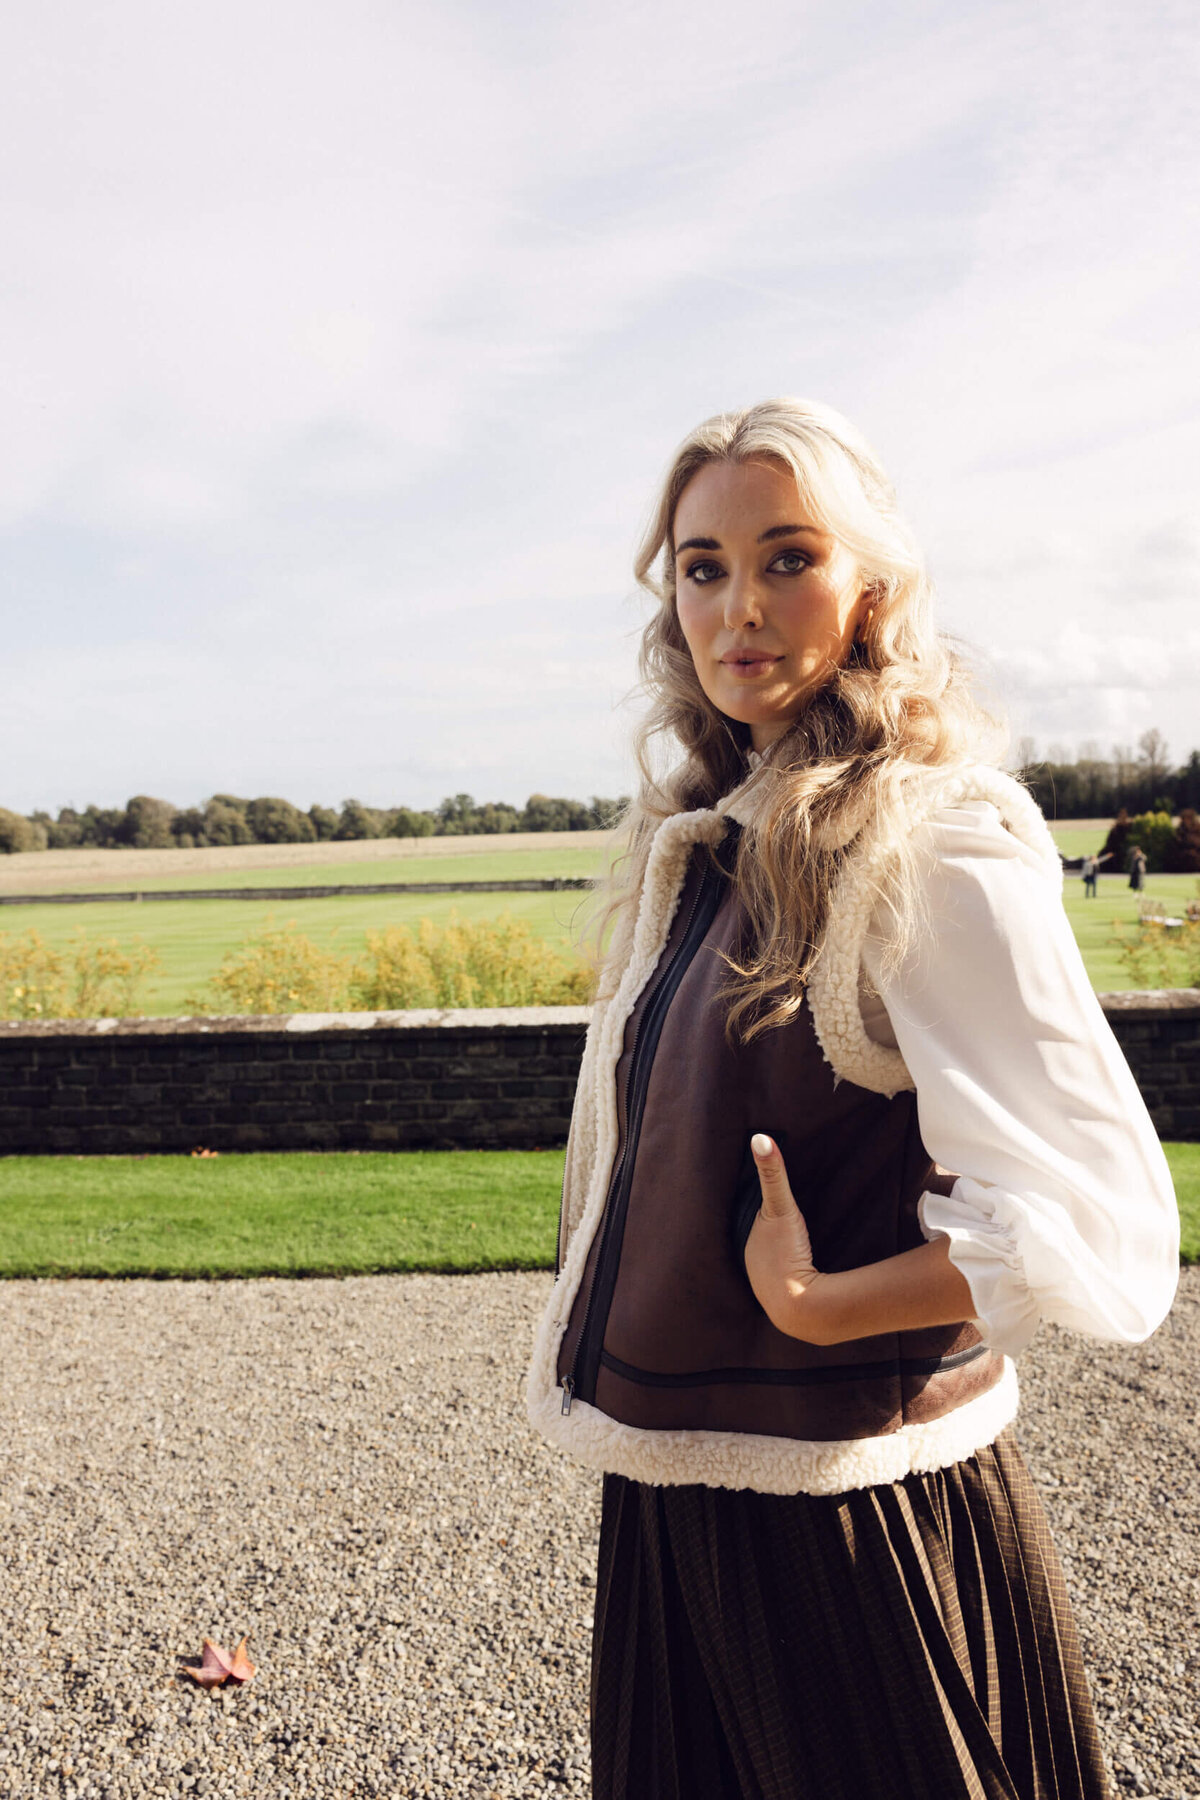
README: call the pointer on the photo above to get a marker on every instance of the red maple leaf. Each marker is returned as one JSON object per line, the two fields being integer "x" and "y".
{"x": 218, "y": 1667}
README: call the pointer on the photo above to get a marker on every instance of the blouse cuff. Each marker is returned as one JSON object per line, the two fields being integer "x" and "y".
{"x": 1012, "y": 1251}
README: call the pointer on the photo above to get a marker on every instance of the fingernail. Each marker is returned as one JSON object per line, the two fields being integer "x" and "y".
{"x": 761, "y": 1144}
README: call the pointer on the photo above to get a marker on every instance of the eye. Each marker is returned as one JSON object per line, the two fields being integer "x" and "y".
{"x": 789, "y": 562}
{"x": 703, "y": 571}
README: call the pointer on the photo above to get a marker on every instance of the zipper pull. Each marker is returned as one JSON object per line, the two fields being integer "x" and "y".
{"x": 568, "y": 1388}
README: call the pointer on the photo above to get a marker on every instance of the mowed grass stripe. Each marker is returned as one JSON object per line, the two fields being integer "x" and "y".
{"x": 320, "y": 1214}
{"x": 279, "y": 1214}
{"x": 490, "y": 865}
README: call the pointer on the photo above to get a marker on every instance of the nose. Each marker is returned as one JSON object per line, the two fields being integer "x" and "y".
{"x": 743, "y": 604}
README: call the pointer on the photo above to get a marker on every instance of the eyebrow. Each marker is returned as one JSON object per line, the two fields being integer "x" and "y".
{"x": 767, "y": 537}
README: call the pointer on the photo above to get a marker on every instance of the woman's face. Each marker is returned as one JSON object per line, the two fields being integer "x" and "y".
{"x": 768, "y": 602}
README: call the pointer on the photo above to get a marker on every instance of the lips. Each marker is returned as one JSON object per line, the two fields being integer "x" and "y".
{"x": 748, "y": 662}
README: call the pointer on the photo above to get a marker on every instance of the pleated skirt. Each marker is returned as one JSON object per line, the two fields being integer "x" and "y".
{"x": 907, "y": 1642}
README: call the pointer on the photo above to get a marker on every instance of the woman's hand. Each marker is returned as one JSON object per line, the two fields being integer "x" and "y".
{"x": 779, "y": 1259}
{"x": 908, "y": 1292}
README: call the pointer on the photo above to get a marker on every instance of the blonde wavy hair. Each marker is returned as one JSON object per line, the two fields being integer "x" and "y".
{"x": 900, "y": 706}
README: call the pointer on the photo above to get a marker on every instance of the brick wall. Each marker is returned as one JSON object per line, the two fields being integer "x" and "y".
{"x": 393, "y": 1080}
{"x": 386, "y": 1081}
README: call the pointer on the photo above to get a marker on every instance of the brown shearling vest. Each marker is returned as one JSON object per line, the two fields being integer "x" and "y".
{"x": 665, "y": 1332}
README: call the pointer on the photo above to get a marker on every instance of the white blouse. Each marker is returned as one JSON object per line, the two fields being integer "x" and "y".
{"x": 1063, "y": 1208}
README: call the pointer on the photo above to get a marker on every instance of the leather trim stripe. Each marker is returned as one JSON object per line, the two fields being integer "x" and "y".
{"x": 867, "y": 1371}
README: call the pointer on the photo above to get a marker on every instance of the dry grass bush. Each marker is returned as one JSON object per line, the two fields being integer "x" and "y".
{"x": 1158, "y": 955}
{"x": 84, "y": 980}
{"x": 490, "y": 963}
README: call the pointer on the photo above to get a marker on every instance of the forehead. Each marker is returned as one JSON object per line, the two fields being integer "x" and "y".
{"x": 727, "y": 498}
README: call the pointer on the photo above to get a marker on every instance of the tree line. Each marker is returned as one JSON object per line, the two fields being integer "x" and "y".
{"x": 1093, "y": 786}
{"x": 147, "y": 823}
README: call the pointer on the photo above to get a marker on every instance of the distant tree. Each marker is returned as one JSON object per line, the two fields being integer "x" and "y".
{"x": 66, "y": 831}
{"x": 543, "y": 813}
{"x": 324, "y": 822}
{"x": 225, "y": 823}
{"x": 148, "y": 823}
{"x": 187, "y": 827}
{"x": 17, "y": 833}
{"x": 1153, "y": 760}
{"x": 357, "y": 821}
{"x": 103, "y": 827}
{"x": 1027, "y": 754}
{"x": 403, "y": 822}
{"x": 608, "y": 813}
{"x": 274, "y": 821}
{"x": 457, "y": 815}
{"x": 497, "y": 815}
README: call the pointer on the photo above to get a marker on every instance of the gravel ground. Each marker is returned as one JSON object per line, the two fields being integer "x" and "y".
{"x": 342, "y": 1470}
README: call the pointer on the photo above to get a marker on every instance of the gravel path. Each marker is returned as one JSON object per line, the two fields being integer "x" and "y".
{"x": 342, "y": 1469}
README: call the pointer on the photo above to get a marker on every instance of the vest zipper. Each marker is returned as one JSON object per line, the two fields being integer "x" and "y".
{"x": 585, "y": 1363}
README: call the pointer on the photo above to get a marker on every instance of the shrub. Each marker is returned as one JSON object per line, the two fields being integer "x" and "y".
{"x": 1154, "y": 832}
{"x": 1158, "y": 957}
{"x": 489, "y": 963}
{"x": 84, "y": 980}
{"x": 277, "y": 971}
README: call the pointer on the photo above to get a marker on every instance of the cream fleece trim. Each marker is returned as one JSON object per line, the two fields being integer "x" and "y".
{"x": 774, "y": 1465}
{"x": 833, "y": 982}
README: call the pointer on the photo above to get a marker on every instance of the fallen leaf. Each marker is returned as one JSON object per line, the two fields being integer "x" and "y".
{"x": 202, "y": 1152}
{"x": 218, "y": 1667}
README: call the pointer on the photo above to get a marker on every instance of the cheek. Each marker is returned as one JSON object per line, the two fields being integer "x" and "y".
{"x": 691, "y": 623}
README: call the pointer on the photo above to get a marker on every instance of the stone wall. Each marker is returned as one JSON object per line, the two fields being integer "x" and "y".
{"x": 383, "y": 1081}
{"x": 392, "y": 1081}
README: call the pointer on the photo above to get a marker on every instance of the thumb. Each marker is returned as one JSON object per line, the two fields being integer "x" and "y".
{"x": 777, "y": 1201}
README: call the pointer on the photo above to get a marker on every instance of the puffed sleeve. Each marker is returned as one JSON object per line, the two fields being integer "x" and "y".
{"x": 1063, "y": 1208}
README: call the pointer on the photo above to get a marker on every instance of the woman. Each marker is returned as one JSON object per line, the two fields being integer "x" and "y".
{"x": 850, "y": 1122}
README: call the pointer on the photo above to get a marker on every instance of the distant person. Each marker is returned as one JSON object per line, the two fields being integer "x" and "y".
{"x": 787, "y": 1300}
{"x": 1137, "y": 868}
{"x": 1091, "y": 868}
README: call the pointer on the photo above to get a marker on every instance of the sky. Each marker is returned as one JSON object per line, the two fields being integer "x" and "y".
{"x": 342, "y": 347}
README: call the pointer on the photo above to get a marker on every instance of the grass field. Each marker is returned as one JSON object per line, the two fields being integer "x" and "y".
{"x": 312, "y": 1214}
{"x": 488, "y": 865}
{"x": 191, "y": 937}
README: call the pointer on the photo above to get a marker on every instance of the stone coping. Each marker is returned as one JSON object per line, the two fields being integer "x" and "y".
{"x": 481, "y": 1019}
{"x": 1152, "y": 1003}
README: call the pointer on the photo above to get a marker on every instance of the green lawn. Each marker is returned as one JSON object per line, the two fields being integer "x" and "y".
{"x": 1093, "y": 920}
{"x": 300, "y": 1214}
{"x": 1079, "y": 840}
{"x": 192, "y": 936}
{"x": 284, "y": 1214}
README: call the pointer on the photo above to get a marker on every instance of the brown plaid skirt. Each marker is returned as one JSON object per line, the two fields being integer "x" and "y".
{"x": 911, "y": 1642}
